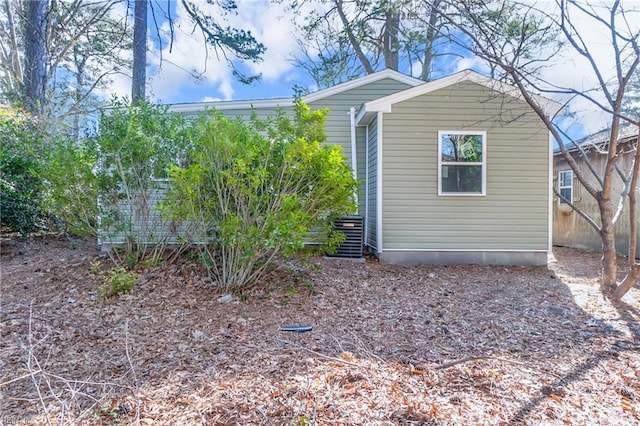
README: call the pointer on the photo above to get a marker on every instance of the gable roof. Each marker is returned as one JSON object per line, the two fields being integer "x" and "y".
{"x": 361, "y": 81}
{"x": 369, "y": 109}
{"x": 311, "y": 97}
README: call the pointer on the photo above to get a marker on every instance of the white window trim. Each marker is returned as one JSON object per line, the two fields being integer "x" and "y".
{"x": 561, "y": 187}
{"x": 483, "y": 164}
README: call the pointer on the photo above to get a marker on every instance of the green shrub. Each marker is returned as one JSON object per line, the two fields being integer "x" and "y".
{"x": 258, "y": 188}
{"x": 20, "y": 173}
{"x": 136, "y": 144}
{"x": 117, "y": 281}
{"x": 47, "y": 182}
{"x": 71, "y": 181}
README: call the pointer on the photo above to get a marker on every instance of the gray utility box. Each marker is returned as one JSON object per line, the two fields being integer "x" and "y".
{"x": 353, "y": 229}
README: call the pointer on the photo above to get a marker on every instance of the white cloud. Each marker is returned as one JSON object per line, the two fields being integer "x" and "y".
{"x": 120, "y": 83}
{"x": 472, "y": 63}
{"x": 210, "y": 99}
{"x": 268, "y": 23}
{"x": 185, "y": 61}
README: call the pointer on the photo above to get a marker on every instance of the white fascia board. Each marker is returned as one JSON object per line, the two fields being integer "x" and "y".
{"x": 196, "y": 107}
{"x": 364, "y": 117}
{"x": 384, "y": 104}
{"x": 357, "y": 82}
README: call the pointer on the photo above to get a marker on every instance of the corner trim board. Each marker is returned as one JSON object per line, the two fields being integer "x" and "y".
{"x": 379, "y": 154}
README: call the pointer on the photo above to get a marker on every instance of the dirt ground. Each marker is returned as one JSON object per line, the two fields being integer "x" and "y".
{"x": 390, "y": 345}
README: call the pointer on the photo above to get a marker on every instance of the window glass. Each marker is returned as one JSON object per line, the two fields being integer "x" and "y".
{"x": 565, "y": 185}
{"x": 461, "y": 148}
{"x": 462, "y": 163}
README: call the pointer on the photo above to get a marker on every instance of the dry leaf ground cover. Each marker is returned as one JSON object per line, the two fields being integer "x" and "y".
{"x": 391, "y": 345}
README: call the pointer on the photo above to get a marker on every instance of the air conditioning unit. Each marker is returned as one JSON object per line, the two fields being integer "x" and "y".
{"x": 353, "y": 229}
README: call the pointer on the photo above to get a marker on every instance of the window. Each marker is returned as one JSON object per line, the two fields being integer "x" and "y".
{"x": 565, "y": 185}
{"x": 461, "y": 163}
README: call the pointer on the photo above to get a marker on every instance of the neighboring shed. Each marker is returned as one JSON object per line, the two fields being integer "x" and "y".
{"x": 569, "y": 228}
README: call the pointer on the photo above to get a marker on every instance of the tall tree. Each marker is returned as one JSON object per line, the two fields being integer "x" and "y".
{"x": 139, "y": 75}
{"x": 520, "y": 42}
{"x": 10, "y": 57}
{"x": 98, "y": 52}
{"x": 353, "y": 37}
{"x": 84, "y": 46}
{"x": 231, "y": 42}
{"x": 35, "y": 55}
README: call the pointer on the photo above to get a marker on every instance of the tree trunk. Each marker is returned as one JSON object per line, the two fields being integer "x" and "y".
{"x": 139, "y": 79}
{"x": 78, "y": 98}
{"x": 390, "y": 39}
{"x": 609, "y": 254}
{"x": 432, "y": 33}
{"x": 35, "y": 52}
{"x": 12, "y": 65}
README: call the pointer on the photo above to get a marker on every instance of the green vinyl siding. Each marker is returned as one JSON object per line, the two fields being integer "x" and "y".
{"x": 338, "y": 125}
{"x": 139, "y": 219}
{"x": 361, "y": 134}
{"x": 514, "y": 213}
{"x": 371, "y": 184}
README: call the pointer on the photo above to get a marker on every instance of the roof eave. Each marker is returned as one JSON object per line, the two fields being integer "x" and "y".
{"x": 196, "y": 107}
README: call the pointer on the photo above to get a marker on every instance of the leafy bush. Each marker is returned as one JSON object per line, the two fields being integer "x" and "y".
{"x": 71, "y": 181}
{"x": 47, "y": 182}
{"x": 20, "y": 172}
{"x": 258, "y": 189}
{"x": 115, "y": 282}
{"x": 136, "y": 145}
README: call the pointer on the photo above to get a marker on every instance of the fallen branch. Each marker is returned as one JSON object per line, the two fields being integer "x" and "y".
{"x": 332, "y": 358}
{"x": 133, "y": 371}
{"x": 17, "y": 379}
{"x": 482, "y": 357}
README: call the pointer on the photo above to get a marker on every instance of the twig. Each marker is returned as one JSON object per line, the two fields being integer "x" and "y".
{"x": 133, "y": 371}
{"x": 30, "y": 355}
{"x": 8, "y": 382}
{"x": 319, "y": 354}
{"x": 364, "y": 347}
{"x": 40, "y": 377}
{"x": 476, "y": 358}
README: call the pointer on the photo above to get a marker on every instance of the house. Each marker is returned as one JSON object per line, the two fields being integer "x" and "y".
{"x": 456, "y": 170}
{"x": 571, "y": 230}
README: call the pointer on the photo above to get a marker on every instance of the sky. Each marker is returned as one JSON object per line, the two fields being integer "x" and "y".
{"x": 172, "y": 79}
{"x": 190, "y": 73}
